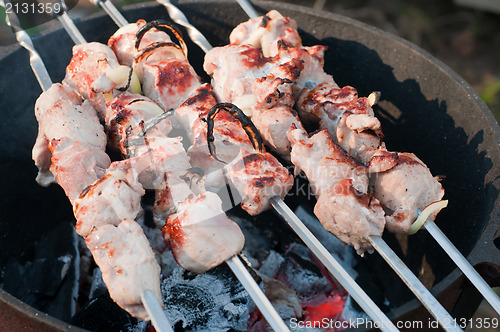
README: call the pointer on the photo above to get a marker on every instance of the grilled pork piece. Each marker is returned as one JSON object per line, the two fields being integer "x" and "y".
{"x": 260, "y": 86}
{"x": 340, "y": 185}
{"x": 170, "y": 80}
{"x": 200, "y": 234}
{"x": 350, "y": 121}
{"x": 69, "y": 133}
{"x": 122, "y": 42}
{"x": 106, "y": 200}
{"x": 92, "y": 72}
{"x": 405, "y": 186}
{"x": 194, "y": 225}
{"x": 264, "y": 32}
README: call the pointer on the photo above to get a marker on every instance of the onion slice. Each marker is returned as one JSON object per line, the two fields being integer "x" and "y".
{"x": 426, "y": 212}
{"x": 125, "y": 76}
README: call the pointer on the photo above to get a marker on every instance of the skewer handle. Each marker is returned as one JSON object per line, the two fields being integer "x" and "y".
{"x": 422, "y": 293}
{"x": 178, "y": 17}
{"x": 71, "y": 28}
{"x": 262, "y": 302}
{"x": 464, "y": 265}
{"x": 248, "y": 8}
{"x": 111, "y": 10}
{"x": 153, "y": 307}
{"x": 24, "y": 40}
{"x": 356, "y": 292}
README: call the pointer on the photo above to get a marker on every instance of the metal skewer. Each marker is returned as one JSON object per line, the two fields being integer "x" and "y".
{"x": 178, "y": 17}
{"x": 481, "y": 285}
{"x": 422, "y": 293}
{"x": 357, "y": 293}
{"x": 69, "y": 25}
{"x": 149, "y": 300}
{"x": 259, "y": 298}
{"x": 462, "y": 263}
{"x": 111, "y": 10}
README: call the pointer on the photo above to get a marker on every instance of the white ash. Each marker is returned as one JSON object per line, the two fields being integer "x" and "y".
{"x": 213, "y": 301}
{"x": 271, "y": 265}
{"x": 349, "y": 312}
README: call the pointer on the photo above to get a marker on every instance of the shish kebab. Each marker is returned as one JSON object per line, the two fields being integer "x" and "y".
{"x": 128, "y": 118}
{"x": 194, "y": 124}
{"x": 70, "y": 150}
{"x": 316, "y": 103}
{"x": 227, "y": 62}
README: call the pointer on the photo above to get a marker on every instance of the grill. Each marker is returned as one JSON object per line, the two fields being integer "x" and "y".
{"x": 421, "y": 96}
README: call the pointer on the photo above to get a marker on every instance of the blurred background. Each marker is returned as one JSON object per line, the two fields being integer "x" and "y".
{"x": 464, "y": 34}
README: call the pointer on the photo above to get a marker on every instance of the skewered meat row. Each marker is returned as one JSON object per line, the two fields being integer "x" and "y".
{"x": 105, "y": 197}
{"x": 339, "y": 183}
{"x": 165, "y": 71}
{"x": 402, "y": 182}
{"x": 139, "y": 128}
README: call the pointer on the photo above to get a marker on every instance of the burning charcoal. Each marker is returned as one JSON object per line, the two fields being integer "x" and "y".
{"x": 103, "y": 315}
{"x": 213, "y": 301}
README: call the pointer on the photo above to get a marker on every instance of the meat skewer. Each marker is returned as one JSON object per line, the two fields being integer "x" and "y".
{"x": 327, "y": 259}
{"x": 187, "y": 207}
{"x": 233, "y": 58}
{"x": 428, "y": 223}
{"x": 127, "y": 229}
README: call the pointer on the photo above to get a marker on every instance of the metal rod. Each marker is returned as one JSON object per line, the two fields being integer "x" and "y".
{"x": 25, "y": 41}
{"x": 356, "y": 292}
{"x": 111, "y": 10}
{"x": 261, "y": 301}
{"x": 248, "y": 8}
{"x": 71, "y": 28}
{"x": 155, "y": 311}
{"x": 428, "y": 300}
{"x": 488, "y": 293}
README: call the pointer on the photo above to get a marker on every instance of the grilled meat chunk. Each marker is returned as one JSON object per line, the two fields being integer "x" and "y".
{"x": 340, "y": 185}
